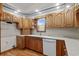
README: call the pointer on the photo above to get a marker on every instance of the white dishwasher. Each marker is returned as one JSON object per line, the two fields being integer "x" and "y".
{"x": 49, "y": 47}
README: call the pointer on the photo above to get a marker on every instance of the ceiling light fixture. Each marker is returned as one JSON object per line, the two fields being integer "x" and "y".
{"x": 57, "y": 4}
{"x": 15, "y": 12}
{"x": 18, "y": 10}
{"x": 58, "y": 7}
{"x": 39, "y": 12}
{"x": 67, "y": 6}
{"x": 36, "y": 10}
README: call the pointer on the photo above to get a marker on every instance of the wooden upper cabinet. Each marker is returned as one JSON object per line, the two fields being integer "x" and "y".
{"x": 49, "y": 21}
{"x": 77, "y": 19}
{"x": 30, "y": 23}
{"x": 63, "y": 19}
{"x": 7, "y": 17}
{"x": 25, "y": 24}
{"x": 59, "y": 20}
{"x": 20, "y": 23}
{"x": 55, "y": 20}
{"x": 15, "y": 19}
{"x": 69, "y": 18}
{"x": 1, "y": 11}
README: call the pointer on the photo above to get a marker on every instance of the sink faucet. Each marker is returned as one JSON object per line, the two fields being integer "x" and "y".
{"x": 40, "y": 33}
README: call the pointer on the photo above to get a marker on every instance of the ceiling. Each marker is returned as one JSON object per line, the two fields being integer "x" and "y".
{"x": 28, "y": 9}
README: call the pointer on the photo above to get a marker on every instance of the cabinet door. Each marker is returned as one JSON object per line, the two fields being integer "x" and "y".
{"x": 27, "y": 42}
{"x": 25, "y": 24}
{"x": 31, "y": 43}
{"x": 49, "y": 21}
{"x": 1, "y": 11}
{"x": 69, "y": 18}
{"x": 38, "y": 45}
{"x": 20, "y": 24}
{"x": 61, "y": 48}
{"x": 59, "y": 20}
{"x": 77, "y": 20}
{"x": 20, "y": 42}
{"x": 30, "y": 23}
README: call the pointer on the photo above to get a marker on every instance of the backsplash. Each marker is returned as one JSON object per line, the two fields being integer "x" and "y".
{"x": 60, "y": 32}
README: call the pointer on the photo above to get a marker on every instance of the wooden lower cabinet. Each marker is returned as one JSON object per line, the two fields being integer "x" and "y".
{"x": 61, "y": 48}
{"x": 34, "y": 43}
{"x": 38, "y": 45}
{"x": 20, "y": 42}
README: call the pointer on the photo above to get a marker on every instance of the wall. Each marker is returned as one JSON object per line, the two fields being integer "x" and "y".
{"x": 8, "y": 36}
{"x": 60, "y": 32}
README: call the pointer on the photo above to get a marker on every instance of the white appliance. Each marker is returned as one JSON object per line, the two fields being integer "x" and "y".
{"x": 49, "y": 47}
{"x": 8, "y": 36}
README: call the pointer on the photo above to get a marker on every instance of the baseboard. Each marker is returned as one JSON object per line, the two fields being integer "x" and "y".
{"x": 7, "y": 50}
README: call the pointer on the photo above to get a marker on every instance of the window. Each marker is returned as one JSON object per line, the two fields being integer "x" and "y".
{"x": 41, "y": 23}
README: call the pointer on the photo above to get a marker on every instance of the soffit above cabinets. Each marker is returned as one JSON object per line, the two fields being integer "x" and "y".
{"x": 28, "y": 9}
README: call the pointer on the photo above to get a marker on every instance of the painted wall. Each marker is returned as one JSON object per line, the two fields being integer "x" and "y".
{"x": 8, "y": 36}
{"x": 60, "y": 32}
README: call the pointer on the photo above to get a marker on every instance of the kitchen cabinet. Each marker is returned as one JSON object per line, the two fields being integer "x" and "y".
{"x": 31, "y": 43}
{"x": 35, "y": 44}
{"x": 77, "y": 18}
{"x": 25, "y": 31}
{"x": 15, "y": 19}
{"x": 30, "y": 23}
{"x": 61, "y": 48}
{"x": 62, "y": 19}
{"x": 55, "y": 20}
{"x": 1, "y": 10}
{"x": 20, "y": 42}
{"x": 49, "y": 20}
{"x": 38, "y": 45}
{"x": 25, "y": 24}
{"x": 7, "y": 17}
{"x": 46, "y": 46}
{"x": 69, "y": 18}
{"x": 20, "y": 23}
{"x": 59, "y": 20}
{"x": 27, "y": 42}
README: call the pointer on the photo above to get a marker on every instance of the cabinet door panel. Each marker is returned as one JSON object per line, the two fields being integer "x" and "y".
{"x": 20, "y": 42}
{"x": 31, "y": 43}
{"x": 38, "y": 44}
{"x": 69, "y": 20}
{"x": 59, "y": 20}
{"x": 27, "y": 42}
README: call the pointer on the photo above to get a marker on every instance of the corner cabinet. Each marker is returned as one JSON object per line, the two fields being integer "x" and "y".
{"x": 33, "y": 43}
{"x": 20, "y": 42}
